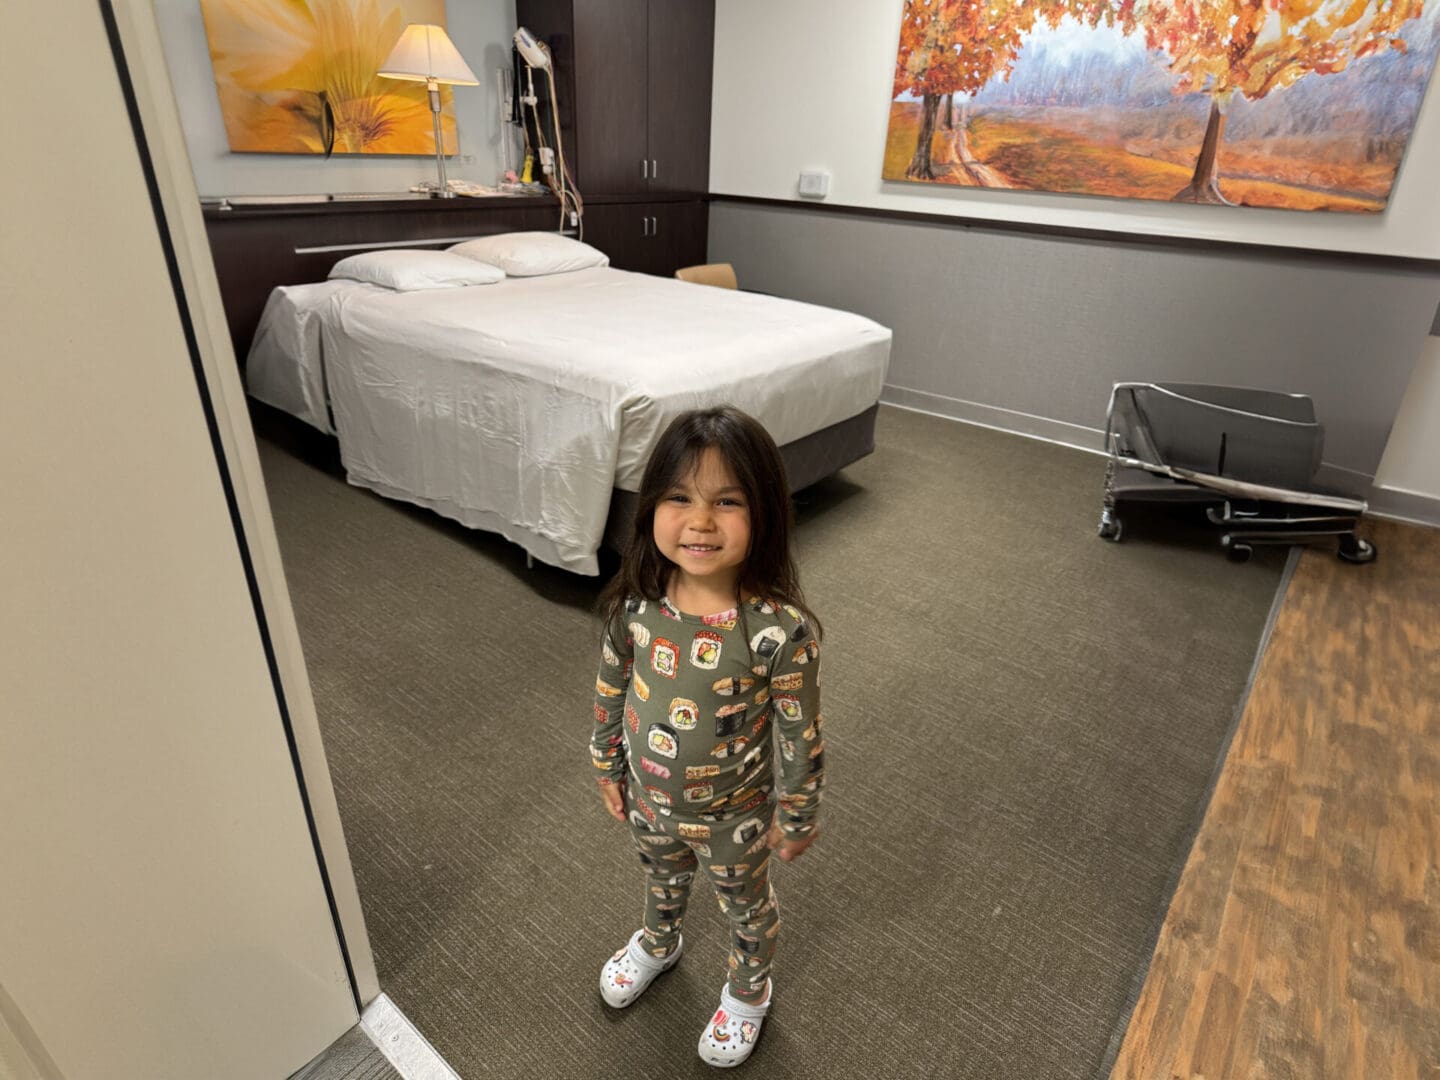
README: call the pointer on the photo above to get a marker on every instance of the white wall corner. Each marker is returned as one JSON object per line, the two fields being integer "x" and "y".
{"x": 1411, "y": 462}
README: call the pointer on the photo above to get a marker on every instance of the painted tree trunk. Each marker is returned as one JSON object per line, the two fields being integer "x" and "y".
{"x": 920, "y": 168}
{"x": 949, "y": 110}
{"x": 1204, "y": 186}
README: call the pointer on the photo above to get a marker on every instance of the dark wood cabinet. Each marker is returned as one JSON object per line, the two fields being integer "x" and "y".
{"x": 649, "y": 237}
{"x": 259, "y": 246}
{"x": 611, "y": 59}
{"x": 634, "y": 82}
{"x": 680, "y": 231}
{"x": 681, "y": 60}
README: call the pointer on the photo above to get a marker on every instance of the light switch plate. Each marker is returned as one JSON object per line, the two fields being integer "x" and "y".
{"x": 814, "y": 183}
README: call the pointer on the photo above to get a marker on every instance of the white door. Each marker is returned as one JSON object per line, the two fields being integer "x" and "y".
{"x": 167, "y": 909}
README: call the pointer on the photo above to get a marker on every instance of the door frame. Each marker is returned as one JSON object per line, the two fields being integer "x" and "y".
{"x": 141, "y": 66}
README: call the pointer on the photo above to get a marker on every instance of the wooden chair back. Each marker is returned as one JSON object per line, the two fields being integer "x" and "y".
{"x": 721, "y": 275}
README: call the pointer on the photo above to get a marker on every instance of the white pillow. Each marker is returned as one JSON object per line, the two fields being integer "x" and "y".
{"x": 410, "y": 270}
{"x": 532, "y": 254}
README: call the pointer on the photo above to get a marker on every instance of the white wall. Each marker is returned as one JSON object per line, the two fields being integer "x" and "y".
{"x": 1412, "y": 456}
{"x": 481, "y": 30}
{"x": 162, "y": 909}
{"x": 806, "y": 83}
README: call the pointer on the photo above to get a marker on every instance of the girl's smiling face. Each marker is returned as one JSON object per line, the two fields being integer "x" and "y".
{"x": 702, "y": 524}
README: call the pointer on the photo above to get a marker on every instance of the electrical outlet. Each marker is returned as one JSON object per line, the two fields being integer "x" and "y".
{"x": 814, "y": 183}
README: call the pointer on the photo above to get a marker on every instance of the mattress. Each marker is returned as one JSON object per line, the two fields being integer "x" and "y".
{"x": 285, "y": 368}
{"x": 519, "y": 407}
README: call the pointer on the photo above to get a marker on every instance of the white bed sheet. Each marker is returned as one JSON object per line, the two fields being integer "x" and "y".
{"x": 517, "y": 407}
{"x": 285, "y": 367}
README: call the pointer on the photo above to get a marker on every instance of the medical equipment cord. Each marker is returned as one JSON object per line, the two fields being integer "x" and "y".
{"x": 562, "y": 167}
{"x": 559, "y": 178}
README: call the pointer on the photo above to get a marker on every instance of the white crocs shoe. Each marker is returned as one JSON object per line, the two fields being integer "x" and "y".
{"x": 626, "y": 975}
{"x": 730, "y": 1036}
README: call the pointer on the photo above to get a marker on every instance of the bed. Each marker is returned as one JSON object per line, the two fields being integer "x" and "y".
{"x": 528, "y": 407}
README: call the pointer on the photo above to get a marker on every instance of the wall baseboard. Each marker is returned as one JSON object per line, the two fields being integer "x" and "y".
{"x": 1074, "y": 436}
{"x": 1395, "y": 504}
{"x": 408, "y": 1051}
{"x": 1409, "y": 507}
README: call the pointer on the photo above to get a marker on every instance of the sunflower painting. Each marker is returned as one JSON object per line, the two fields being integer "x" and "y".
{"x": 298, "y": 76}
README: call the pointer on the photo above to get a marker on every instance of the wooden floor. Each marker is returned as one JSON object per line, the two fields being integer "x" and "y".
{"x": 1303, "y": 942}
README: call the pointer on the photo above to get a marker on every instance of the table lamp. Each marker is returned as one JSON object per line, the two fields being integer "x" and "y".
{"x": 426, "y": 54}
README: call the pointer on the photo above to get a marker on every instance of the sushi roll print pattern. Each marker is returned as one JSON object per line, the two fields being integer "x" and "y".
{"x": 705, "y": 649}
{"x": 723, "y": 704}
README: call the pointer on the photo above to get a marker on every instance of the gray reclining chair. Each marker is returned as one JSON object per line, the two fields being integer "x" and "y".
{"x": 1251, "y": 454}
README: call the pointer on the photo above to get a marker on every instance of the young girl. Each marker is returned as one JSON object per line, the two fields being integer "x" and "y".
{"x": 709, "y": 659}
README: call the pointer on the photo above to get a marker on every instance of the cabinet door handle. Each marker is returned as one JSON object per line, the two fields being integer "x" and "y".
{"x": 654, "y": 168}
{"x": 654, "y": 226}
{"x": 644, "y": 169}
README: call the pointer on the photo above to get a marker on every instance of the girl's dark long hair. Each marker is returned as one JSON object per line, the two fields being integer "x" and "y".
{"x": 768, "y": 570}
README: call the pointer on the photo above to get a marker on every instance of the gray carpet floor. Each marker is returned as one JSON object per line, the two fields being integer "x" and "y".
{"x": 1022, "y": 723}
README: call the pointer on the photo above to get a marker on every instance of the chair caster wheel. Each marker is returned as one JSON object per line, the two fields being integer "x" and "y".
{"x": 1354, "y": 550}
{"x": 1236, "y": 552}
{"x": 1111, "y": 529}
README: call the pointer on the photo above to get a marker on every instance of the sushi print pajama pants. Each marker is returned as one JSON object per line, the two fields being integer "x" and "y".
{"x": 731, "y": 851}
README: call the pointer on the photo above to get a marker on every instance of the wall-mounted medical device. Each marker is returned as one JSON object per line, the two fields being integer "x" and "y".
{"x": 535, "y": 55}
{"x": 533, "y": 51}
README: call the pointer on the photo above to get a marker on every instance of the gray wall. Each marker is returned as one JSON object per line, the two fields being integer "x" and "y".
{"x": 1028, "y": 333}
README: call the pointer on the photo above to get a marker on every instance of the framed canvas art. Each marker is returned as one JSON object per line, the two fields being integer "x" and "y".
{"x": 1300, "y": 104}
{"x": 298, "y": 76}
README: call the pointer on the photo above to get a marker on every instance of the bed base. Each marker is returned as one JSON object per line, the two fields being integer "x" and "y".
{"x": 807, "y": 460}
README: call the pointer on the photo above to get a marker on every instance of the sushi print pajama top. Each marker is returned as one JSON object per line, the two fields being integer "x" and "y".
{"x": 690, "y": 714}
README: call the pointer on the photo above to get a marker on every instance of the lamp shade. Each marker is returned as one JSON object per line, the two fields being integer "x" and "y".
{"x": 426, "y": 52}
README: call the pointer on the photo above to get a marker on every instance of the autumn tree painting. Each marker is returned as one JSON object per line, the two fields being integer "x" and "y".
{"x": 1305, "y": 104}
{"x": 940, "y": 56}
